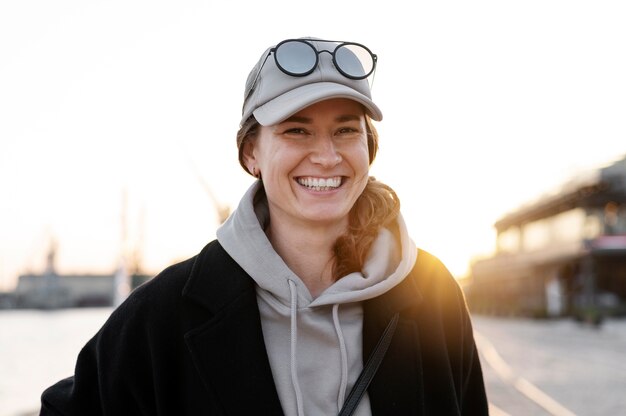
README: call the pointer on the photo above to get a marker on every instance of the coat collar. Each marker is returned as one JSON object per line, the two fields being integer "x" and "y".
{"x": 228, "y": 350}
{"x": 216, "y": 280}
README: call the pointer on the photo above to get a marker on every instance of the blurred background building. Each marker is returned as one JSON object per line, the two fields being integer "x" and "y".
{"x": 561, "y": 255}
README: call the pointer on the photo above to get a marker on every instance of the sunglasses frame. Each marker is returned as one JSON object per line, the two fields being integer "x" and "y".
{"x": 317, "y": 54}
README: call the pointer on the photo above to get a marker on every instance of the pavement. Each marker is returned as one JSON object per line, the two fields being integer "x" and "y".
{"x": 553, "y": 367}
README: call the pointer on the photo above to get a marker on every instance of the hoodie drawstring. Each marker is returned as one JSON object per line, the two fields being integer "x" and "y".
{"x": 294, "y": 337}
{"x": 344, "y": 358}
{"x": 294, "y": 340}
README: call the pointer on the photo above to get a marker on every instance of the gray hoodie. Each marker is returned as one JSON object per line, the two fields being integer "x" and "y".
{"x": 314, "y": 345}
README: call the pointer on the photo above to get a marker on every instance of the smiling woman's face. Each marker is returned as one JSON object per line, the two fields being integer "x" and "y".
{"x": 315, "y": 164}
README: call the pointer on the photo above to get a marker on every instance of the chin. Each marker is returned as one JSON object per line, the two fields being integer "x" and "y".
{"x": 328, "y": 218}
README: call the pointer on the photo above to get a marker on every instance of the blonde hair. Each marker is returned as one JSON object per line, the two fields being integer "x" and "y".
{"x": 377, "y": 206}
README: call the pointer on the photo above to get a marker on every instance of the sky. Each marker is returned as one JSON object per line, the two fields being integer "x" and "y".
{"x": 117, "y": 116}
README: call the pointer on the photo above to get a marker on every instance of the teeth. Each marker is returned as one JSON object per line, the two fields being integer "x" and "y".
{"x": 320, "y": 184}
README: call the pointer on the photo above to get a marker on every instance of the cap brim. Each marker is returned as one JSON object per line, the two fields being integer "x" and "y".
{"x": 283, "y": 106}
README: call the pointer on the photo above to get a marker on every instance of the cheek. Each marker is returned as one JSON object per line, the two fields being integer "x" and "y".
{"x": 264, "y": 148}
{"x": 361, "y": 157}
{"x": 264, "y": 154}
{"x": 279, "y": 160}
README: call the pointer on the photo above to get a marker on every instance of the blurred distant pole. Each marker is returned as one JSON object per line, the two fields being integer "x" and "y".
{"x": 136, "y": 255}
{"x": 121, "y": 281}
{"x": 223, "y": 211}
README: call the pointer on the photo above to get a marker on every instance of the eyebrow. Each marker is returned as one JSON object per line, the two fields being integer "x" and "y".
{"x": 308, "y": 120}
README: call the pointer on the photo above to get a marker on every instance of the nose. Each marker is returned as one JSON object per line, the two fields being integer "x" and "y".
{"x": 325, "y": 152}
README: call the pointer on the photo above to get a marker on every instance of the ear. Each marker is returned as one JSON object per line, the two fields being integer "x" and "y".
{"x": 247, "y": 154}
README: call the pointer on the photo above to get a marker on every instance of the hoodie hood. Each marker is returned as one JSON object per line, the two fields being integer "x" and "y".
{"x": 391, "y": 258}
{"x": 314, "y": 346}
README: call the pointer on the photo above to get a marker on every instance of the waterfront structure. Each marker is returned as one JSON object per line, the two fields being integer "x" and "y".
{"x": 51, "y": 290}
{"x": 561, "y": 255}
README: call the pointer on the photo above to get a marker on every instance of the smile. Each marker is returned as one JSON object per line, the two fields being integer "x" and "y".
{"x": 320, "y": 184}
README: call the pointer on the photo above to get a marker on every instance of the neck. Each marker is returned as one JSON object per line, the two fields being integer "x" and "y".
{"x": 307, "y": 251}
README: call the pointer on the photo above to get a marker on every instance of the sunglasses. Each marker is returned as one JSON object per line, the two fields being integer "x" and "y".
{"x": 299, "y": 58}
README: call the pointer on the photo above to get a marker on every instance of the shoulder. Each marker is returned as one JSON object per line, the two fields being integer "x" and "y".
{"x": 162, "y": 290}
{"x": 429, "y": 272}
{"x": 163, "y": 301}
{"x": 436, "y": 285}
{"x": 172, "y": 283}
{"x": 167, "y": 284}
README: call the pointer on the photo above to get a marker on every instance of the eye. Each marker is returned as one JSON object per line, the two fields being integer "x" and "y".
{"x": 348, "y": 131}
{"x": 295, "y": 131}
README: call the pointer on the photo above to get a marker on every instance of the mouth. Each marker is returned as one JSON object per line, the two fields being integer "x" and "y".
{"x": 320, "y": 184}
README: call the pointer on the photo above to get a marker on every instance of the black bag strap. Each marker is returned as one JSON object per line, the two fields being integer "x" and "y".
{"x": 363, "y": 382}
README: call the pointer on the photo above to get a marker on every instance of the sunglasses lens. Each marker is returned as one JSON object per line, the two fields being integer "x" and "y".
{"x": 354, "y": 61}
{"x": 296, "y": 58}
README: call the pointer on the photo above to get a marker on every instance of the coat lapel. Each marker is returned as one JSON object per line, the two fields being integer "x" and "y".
{"x": 228, "y": 350}
{"x": 397, "y": 387}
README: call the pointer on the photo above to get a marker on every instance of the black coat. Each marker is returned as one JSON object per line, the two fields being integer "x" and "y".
{"x": 189, "y": 342}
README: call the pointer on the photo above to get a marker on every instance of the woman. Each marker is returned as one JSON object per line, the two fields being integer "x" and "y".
{"x": 279, "y": 314}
